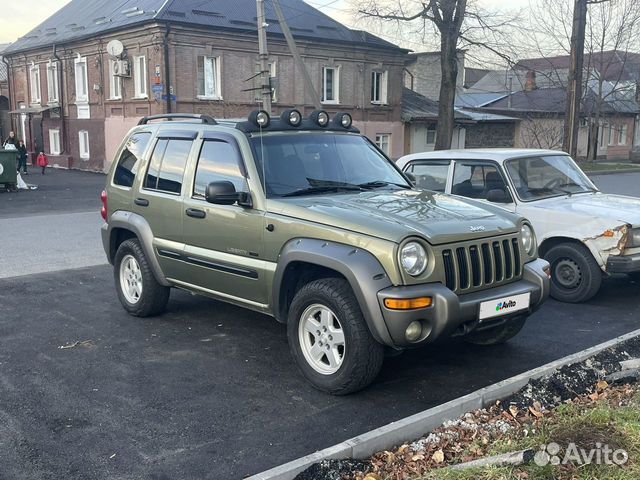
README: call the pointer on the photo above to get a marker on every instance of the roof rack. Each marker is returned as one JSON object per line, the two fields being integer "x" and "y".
{"x": 206, "y": 119}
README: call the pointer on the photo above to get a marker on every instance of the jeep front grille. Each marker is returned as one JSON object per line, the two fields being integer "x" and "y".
{"x": 474, "y": 266}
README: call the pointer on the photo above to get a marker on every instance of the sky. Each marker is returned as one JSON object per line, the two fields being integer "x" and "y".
{"x": 20, "y": 16}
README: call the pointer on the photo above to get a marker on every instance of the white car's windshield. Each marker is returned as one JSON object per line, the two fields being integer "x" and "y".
{"x": 547, "y": 176}
{"x": 322, "y": 163}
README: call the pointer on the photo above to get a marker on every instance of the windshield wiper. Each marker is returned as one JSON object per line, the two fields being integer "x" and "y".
{"x": 380, "y": 184}
{"x": 324, "y": 188}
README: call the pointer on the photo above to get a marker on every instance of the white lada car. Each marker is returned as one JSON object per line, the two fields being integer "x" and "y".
{"x": 584, "y": 233}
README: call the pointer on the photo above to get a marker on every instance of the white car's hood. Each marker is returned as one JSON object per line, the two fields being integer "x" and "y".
{"x": 598, "y": 205}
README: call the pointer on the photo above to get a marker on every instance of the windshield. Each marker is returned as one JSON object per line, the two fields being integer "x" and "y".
{"x": 316, "y": 163}
{"x": 548, "y": 176}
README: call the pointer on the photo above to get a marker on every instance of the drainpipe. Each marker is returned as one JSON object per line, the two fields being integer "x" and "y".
{"x": 167, "y": 70}
{"x": 60, "y": 70}
{"x": 9, "y": 78}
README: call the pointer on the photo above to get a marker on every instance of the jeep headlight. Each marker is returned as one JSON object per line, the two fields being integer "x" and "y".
{"x": 413, "y": 258}
{"x": 633, "y": 239}
{"x": 528, "y": 239}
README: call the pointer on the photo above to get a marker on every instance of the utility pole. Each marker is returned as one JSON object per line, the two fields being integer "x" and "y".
{"x": 296, "y": 55}
{"x": 264, "y": 58}
{"x": 574, "y": 86}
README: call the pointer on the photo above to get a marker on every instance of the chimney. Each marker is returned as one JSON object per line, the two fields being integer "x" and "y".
{"x": 530, "y": 83}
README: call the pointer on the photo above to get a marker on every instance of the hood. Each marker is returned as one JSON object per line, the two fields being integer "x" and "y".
{"x": 394, "y": 215}
{"x": 598, "y": 205}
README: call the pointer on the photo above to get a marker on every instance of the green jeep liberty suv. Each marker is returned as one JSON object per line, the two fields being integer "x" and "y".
{"x": 307, "y": 221}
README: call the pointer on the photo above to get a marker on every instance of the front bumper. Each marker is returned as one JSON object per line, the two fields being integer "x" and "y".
{"x": 623, "y": 263}
{"x": 450, "y": 313}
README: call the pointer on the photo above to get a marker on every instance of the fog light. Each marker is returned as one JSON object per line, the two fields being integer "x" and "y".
{"x": 407, "y": 303}
{"x": 260, "y": 118}
{"x": 320, "y": 118}
{"x": 293, "y": 117}
{"x": 345, "y": 120}
{"x": 413, "y": 331}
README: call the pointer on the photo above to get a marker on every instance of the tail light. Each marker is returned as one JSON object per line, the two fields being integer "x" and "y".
{"x": 103, "y": 210}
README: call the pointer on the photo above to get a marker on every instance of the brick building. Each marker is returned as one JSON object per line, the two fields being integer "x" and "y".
{"x": 74, "y": 98}
{"x": 5, "y": 121}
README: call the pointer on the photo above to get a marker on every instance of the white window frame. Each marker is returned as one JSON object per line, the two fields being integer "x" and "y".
{"x": 34, "y": 77}
{"x": 140, "y": 77}
{"x": 82, "y": 91}
{"x": 215, "y": 65}
{"x": 53, "y": 87}
{"x": 379, "y": 77}
{"x": 434, "y": 129}
{"x": 55, "y": 147}
{"x": 622, "y": 134}
{"x": 381, "y": 140}
{"x": 83, "y": 144}
{"x": 115, "y": 82}
{"x": 336, "y": 84}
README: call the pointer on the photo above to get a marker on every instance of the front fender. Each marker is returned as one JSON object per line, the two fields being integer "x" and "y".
{"x": 361, "y": 269}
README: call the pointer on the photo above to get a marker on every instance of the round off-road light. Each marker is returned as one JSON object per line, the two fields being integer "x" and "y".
{"x": 293, "y": 117}
{"x": 260, "y": 118}
{"x": 345, "y": 120}
{"x": 320, "y": 118}
{"x": 413, "y": 331}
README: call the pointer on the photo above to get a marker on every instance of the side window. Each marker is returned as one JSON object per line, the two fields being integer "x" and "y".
{"x": 130, "y": 158}
{"x": 476, "y": 180}
{"x": 219, "y": 161}
{"x": 431, "y": 176}
{"x": 166, "y": 169}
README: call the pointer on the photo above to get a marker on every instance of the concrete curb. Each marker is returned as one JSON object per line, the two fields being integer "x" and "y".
{"x": 612, "y": 172}
{"x": 417, "y": 425}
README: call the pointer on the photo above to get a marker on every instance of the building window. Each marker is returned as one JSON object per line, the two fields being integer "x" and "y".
{"x": 115, "y": 82}
{"x": 383, "y": 141}
{"x": 52, "y": 82}
{"x": 140, "y": 76}
{"x": 209, "y": 77}
{"x": 54, "y": 142}
{"x": 612, "y": 133}
{"x": 330, "y": 84}
{"x": 82, "y": 80}
{"x": 35, "y": 83}
{"x": 83, "y": 141}
{"x": 431, "y": 135}
{"x": 379, "y": 87}
{"x": 622, "y": 134}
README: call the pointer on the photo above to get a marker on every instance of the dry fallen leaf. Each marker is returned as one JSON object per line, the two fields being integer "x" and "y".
{"x": 536, "y": 413}
{"x": 372, "y": 476}
{"x": 417, "y": 457}
{"x": 513, "y": 410}
{"x": 602, "y": 385}
{"x": 438, "y": 456}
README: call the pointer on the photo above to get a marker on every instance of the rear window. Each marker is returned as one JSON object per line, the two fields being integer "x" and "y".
{"x": 166, "y": 169}
{"x": 130, "y": 158}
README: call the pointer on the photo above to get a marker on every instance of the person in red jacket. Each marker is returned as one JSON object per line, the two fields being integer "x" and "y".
{"x": 42, "y": 161}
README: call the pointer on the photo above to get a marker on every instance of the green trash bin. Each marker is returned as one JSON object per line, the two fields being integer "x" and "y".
{"x": 8, "y": 175}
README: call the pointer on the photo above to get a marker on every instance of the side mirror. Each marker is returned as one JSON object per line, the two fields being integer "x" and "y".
{"x": 224, "y": 193}
{"x": 499, "y": 196}
{"x": 411, "y": 177}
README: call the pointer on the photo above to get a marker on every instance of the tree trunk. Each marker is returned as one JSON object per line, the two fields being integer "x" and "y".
{"x": 592, "y": 150}
{"x": 449, "y": 67}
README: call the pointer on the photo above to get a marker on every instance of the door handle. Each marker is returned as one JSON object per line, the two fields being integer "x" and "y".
{"x": 196, "y": 213}
{"x": 143, "y": 202}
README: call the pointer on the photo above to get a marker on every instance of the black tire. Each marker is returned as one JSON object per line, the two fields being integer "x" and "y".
{"x": 154, "y": 297}
{"x": 497, "y": 335}
{"x": 363, "y": 356}
{"x": 575, "y": 275}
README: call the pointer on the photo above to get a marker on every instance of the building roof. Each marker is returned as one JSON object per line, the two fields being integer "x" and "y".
{"x": 474, "y": 100}
{"x": 548, "y": 100}
{"x": 614, "y": 65}
{"x": 87, "y": 18}
{"x": 417, "y": 107}
{"x": 472, "y": 75}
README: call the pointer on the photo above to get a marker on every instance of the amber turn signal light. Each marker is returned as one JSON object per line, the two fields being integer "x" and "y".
{"x": 407, "y": 303}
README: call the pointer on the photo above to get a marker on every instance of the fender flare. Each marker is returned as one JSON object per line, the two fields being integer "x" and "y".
{"x": 361, "y": 269}
{"x": 139, "y": 226}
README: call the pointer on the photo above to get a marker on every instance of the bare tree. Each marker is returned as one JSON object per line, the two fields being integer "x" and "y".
{"x": 542, "y": 131}
{"x": 458, "y": 24}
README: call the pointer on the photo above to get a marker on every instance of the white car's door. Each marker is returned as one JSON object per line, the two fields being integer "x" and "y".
{"x": 431, "y": 174}
{"x": 482, "y": 181}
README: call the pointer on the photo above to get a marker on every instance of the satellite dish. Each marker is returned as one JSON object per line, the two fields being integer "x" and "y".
{"x": 115, "y": 48}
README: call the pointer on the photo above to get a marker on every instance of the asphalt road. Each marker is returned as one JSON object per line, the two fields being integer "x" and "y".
{"x": 209, "y": 390}
{"x": 623, "y": 184}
